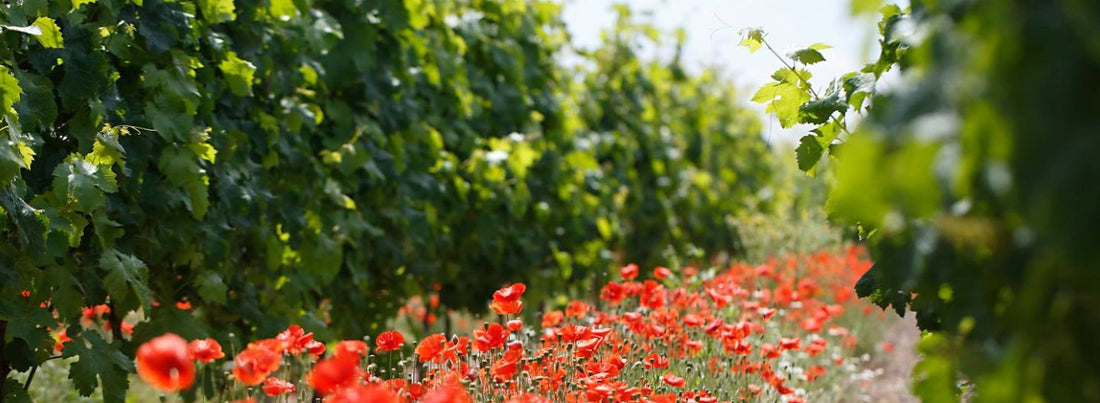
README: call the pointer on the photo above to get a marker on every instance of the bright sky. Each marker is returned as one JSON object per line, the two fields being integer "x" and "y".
{"x": 713, "y": 33}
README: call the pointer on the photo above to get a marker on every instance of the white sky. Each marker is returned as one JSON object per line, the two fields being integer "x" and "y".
{"x": 713, "y": 33}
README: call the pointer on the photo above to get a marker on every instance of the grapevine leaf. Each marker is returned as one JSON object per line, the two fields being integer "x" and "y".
{"x": 819, "y": 111}
{"x": 808, "y": 152}
{"x": 934, "y": 377}
{"x": 50, "y": 35}
{"x": 26, "y": 321}
{"x": 126, "y": 273}
{"x": 783, "y": 100}
{"x": 83, "y": 184}
{"x": 10, "y": 91}
{"x": 37, "y": 108}
{"x": 106, "y": 151}
{"x": 78, "y": 3}
{"x": 14, "y": 392}
{"x": 66, "y": 297}
{"x": 284, "y": 9}
{"x": 865, "y": 6}
{"x": 238, "y": 73}
{"x": 752, "y": 39}
{"x": 99, "y": 361}
{"x": 211, "y": 287}
{"x": 807, "y": 56}
{"x": 857, "y": 87}
{"x": 217, "y": 11}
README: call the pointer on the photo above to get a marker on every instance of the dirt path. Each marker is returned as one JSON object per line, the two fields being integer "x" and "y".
{"x": 892, "y": 384}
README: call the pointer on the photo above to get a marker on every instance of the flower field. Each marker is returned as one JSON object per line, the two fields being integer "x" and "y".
{"x": 788, "y": 330}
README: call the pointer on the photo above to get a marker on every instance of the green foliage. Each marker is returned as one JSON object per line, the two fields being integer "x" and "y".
{"x": 317, "y": 161}
{"x": 972, "y": 183}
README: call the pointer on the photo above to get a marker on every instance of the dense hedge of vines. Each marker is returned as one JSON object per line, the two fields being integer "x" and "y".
{"x": 316, "y": 161}
{"x": 973, "y": 182}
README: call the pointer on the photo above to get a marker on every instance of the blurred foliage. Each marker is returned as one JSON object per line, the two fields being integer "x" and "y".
{"x": 318, "y": 161}
{"x": 973, "y": 182}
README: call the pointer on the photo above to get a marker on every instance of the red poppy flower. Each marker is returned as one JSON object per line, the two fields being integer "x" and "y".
{"x": 360, "y": 394}
{"x": 205, "y": 350}
{"x": 350, "y": 349}
{"x": 430, "y": 347}
{"x": 629, "y": 272}
{"x": 314, "y": 348}
{"x": 25, "y": 293}
{"x": 515, "y": 325}
{"x": 552, "y": 318}
{"x": 274, "y": 386}
{"x": 661, "y": 273}
{"x": 389, "y": 341}
{"x": 506, "y": 300}
{"x": 448, "y": 394}
{"x": 294, "y": 339}
{"x": 673, "y": 380}
{"x": 529, "y": 398}
{"x": 490, "y": 338}
{"x": 183, "y": 305}
{"x": 254, "y": 364}
{"x": 655, "y": 361}
{"x": 164, "y": 364}
{"x": 331, "y": 374}
{"x": 789, "y": 344}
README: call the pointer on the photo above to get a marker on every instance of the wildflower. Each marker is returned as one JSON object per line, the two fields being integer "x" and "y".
{"x": 489, "y": 338}
{"x": 331, "y": 374}
{"x": 514, "y": 325}
{"x": 552, "y": 319}
{"x": 183, "y": 305}
{"x": 506, "y": 300}
{"x": 350, "y": 348}
{"x": 673, "y": 380}
{"x": 448, "y": 394}
{"x": 359, "y": 394}
{"x": 389, "y": 341}
{"x": 254, "y": 364}
{"x": 661, "y": 273}
{"x": 274, "y": 386}
{"x": 163, "y": 363}
{"x": 629, "y": 272}
{"x": 430, "y": 347}
{"x": 205, "y": 350}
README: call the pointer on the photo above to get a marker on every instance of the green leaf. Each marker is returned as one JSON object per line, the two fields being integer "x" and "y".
{"x": 14, "y": 393}
{"x": 808, "y": 152}
{"x": 106, "y": 151}
{"x": 83, "y": 184}
{"x": 217, "y": 11}
{"x": 284, "y": 9}
{"x": 783, "y": 100}
{"x": 51, "y": 33}
{"x": 78, "y": 3}
{"x": 934, "y": 377}
{"x": 807, "y": 56}
{"x": 99, "y": 361}
{"x": 819, "y": 111}
{"x": 10, "y": 91}
{"x": 238, "y": 74}
{"x": 211, "y": 287}
{"x": 865, "y": 6}
{"x": 65, "y": 296}
{"x": 857, "y": 87}
{"x": 126, "y": 277}
{"x": 37, "y": 108}
{"x": 44, "y": 29}
{"x": 752, "y": 39}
